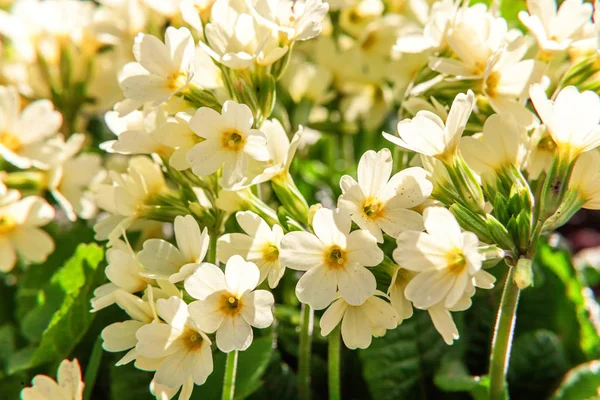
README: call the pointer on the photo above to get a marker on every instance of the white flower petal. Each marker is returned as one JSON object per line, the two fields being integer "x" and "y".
{"x": 356, "y": 329}
{"x": 332, "y": 316}
{"x": 301, "y": 251}
{"x": 362, "y": 249}
{"x": 374, "y": 170}
{"x": 207, "y": 313}
{"x": 317, "y": 287}
{"x": 205, "y": 281}
{"x": 356, "y": 284}
{"x": 234, "y": 334}
{"x": 257, "y": 308}
{"x": 241, "y": 276}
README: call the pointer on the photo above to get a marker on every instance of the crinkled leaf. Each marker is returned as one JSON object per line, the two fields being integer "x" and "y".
{"x": 395, "y": 366}
{"x": 537, "y": 362}
{"x": 73, "y": 284}
{"x": 582, "y": 382}
{"x": 35, "y": 276}
{"x": 560, "y": 303}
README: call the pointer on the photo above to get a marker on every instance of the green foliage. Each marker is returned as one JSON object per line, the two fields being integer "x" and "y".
{"x": 557, "y": 302}
{"x": 582, "y": 382}
{"x": 252, "y": 364}
{"x": 554, "y": 332}
{"x": 453, "y": 376}
{"x": 66, "y": 299}
{"x": 400, "y": 363}
{"x": 130, "y": 380}
{"x": 35, "y": 276}
{"x": 537, "y": 362}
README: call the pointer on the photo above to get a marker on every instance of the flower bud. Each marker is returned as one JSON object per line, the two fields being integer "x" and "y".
{"x": 471, "y": 221}
{"x": 500, "y": 234}
{"x": 524, "y": 274}
{"x": 555, "y": 186}
{"x": 467, "y": 186}
{"x": 286, "y": 191}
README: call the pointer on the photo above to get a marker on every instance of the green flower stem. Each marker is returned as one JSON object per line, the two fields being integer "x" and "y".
{"x": 212, "y": 248}
{"x": 91, "y": 371}
{"x": 333, "y": 361}
{"x": 304, "y": 351}
{"x": 503, "y": 333}
{"x": 230, "y": 370}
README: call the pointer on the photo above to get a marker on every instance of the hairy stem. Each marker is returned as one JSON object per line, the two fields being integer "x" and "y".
{"x": 230, "y": 370}
{"x": 212, "y": 248}
{"x": 503, "y": 334}
{"x": 305, "y": 345}
{"x": 333, "y": 361}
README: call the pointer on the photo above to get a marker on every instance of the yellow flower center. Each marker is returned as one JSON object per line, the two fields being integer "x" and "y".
{"x": 491, "y": 84}
{"x": 373, "y": 208}
{"x": 456, "y": 261}
{"x": 7, "y": 224}
{"x": 370, "y": 41}
{"x": 177, "y": 80}
{"x": 230, "y": 304}
{"x": 270, "y": 252}
{"x": 479, "y": 68}
{"x": 10, "y": 141}
{"x": 335, "y": 257}
{"x": 232, "y": 141}
{"x": 194, "y": 340}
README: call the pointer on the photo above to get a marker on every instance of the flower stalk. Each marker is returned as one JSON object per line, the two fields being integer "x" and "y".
{"x": 503, "y": 334}
{"x": 230, "y": 372}
{"x": 333, "y": 362}
{"x": 306, "y": 330}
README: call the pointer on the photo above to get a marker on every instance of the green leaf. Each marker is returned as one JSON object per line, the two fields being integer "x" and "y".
{"x": 452, "y": 376}
{"x": 279, "y": 381}
{"x": 71, "y": 287}
{"x": 582, "y": 382}
{"x": 537, "y": 362}
{"x": 128, "y": 382}
{"x": 396, "y": 365}
{"x": 8, "y": 345}
{"x": 91, "y": 370}
{"x": 252, "y": 364}
{"x": 557, "y": 302}
{"x": 36, "y": 275}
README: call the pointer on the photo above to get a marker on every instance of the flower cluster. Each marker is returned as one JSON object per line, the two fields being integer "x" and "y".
{"x": 244, "y": 153}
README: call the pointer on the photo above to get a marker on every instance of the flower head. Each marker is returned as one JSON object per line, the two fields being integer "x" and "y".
{"x": 124, "y": 273}
{"x": 23, "y": 133}
{"x": 162, "y": 260}
{"x": 162, "y": 69}
{"x": 20, "y": 232}
{"x": 72, "y": 179}
{"x": 334, "y": 259}
{"x": 68, "y": 384}
{"x": 228, "y": 304}
{"x": 427, "y": 134}
{"x": 360, "y": 323}
{"x": 584, "y": 179}
{"x": 237, "y": 39}
{"x": 128, "y": 195}
{"x": 502, "y": 143}
{"x": 260, "y": 245}
{"x": 555, "y": 30}
{"x": 229, "y": 141}
{"x": 181, "y": 349}
{"x": 572, "y": 120}
{"x": 447, "y": 261}
{"x": 377, "y": 202}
